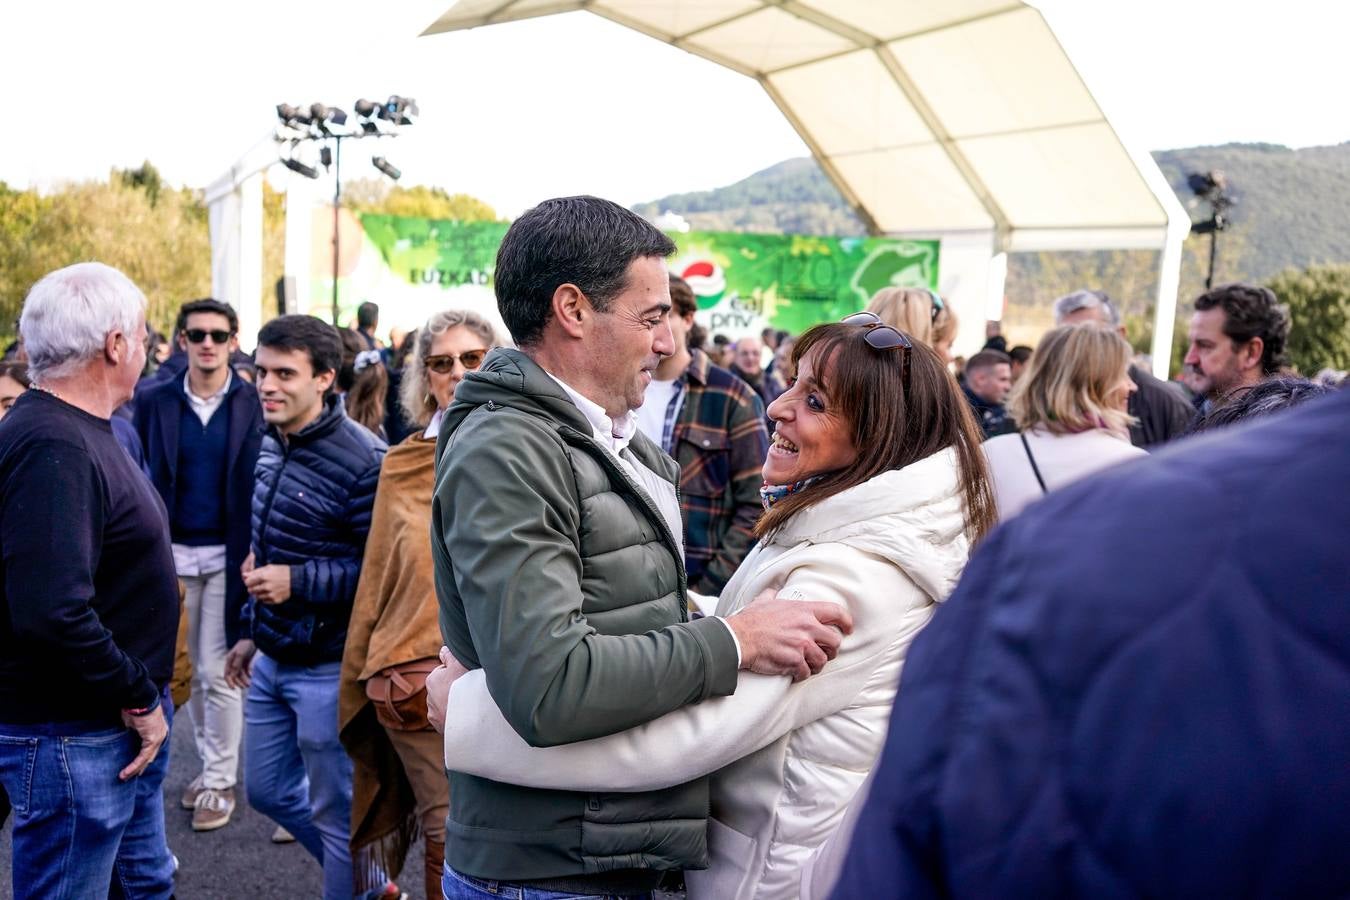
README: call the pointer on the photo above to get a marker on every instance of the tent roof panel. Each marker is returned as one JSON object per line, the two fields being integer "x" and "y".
{"x": 913, "y": 189}
{"x": 1075, "y": 176}
{"x": 768, "y": 40}
{"x": 888, "y": 20}
{"x": 678, "y": 17}
{"x": 996, "y": 75}
{"x": 851, "y": 104}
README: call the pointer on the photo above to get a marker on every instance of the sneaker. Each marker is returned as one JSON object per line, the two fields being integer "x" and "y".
{"x": 282, "y": 836}
{"x": 213, "y": 810}
{"x": 190, "y": 793}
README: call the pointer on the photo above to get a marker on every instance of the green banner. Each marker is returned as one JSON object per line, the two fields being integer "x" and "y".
{"x": 744, "y": 282}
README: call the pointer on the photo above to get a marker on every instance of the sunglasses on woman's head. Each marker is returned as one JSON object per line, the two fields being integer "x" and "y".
{"x": 444, "y": 363}
{"x": 881, "y": 336}
{"x": 197, "y": 335}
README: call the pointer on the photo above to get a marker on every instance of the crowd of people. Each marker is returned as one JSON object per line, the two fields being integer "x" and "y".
{"x": 609, "y": 606}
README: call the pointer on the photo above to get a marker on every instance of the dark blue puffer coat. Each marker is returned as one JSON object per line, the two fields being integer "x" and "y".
{"x": 1140, "y": 688}
{"x": 312, "y": 502}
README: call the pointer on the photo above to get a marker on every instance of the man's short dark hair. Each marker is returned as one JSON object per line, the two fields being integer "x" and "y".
{"x": 367, "y": 315}
{"x": 682, "y": 297}
{"x": 1250, "y": 312}
{"x": 1020, "y": 354}
{"x": 308, "y": 333}
{"x": 583, "y": 241}
{"x": 720, "y": 340}
{"x": 206, "y": 305}
{"x": 987, "y": 359}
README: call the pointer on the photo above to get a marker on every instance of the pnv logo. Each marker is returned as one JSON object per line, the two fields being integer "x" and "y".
{"x": 706, "y": 279}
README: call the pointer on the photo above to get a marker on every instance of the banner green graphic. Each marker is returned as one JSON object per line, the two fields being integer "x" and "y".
{"x": 744, "y": 282}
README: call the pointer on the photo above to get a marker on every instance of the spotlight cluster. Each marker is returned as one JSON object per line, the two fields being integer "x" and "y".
{"x": 302, "y": 126}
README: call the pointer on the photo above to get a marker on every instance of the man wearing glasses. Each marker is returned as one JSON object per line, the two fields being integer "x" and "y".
{"x": 201, "y": 435}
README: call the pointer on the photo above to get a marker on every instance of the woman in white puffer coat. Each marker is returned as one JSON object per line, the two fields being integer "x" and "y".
{"x": 875, "y": 490}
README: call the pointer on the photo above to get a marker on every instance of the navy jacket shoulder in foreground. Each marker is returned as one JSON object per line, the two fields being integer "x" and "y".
{"x": 157, "y": 419}
{"x": 1141, "y": 687}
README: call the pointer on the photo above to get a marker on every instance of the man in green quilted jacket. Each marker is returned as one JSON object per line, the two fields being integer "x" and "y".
{"x": 559, "y": 563}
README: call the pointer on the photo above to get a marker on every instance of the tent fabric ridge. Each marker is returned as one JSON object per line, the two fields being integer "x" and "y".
{"x": 1002, "y": 224}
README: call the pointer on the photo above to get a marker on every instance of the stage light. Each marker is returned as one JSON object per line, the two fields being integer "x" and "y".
{"x": 327, "y": 117}
{"x": 366, "y": 108}
{"x": 326, "y": 156}
{"x": 384, "y": 166}
{"x": 399, "y": 110}
{"x": 300, "y": 168}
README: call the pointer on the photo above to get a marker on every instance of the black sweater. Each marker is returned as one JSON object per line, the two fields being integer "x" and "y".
{"x": 88, "y": 597}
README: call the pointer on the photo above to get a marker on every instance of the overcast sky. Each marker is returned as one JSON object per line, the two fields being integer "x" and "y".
{"x": 574, "y": 104}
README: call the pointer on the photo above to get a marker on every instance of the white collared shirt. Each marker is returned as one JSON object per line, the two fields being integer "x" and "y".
{"x": 198, "y": 561}
{"x": 205, "y": 407}
{"x": 615, "y": 435}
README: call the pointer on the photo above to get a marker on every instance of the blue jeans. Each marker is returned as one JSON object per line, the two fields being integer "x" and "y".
{"x": 295, "y": 768}
{"x": 458, "y": 886}
{"x": 79, "y": 832}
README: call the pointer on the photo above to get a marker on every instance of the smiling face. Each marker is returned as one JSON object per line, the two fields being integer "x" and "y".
{"x": 629, "y": 340}
{"x": 455, "y": 341}
{"x": 291, "y": 392}
{"x": 810, "y": 437}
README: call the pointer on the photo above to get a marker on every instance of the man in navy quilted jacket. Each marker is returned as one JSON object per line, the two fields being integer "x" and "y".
{"x": 1140, "y": 688}
{"x": 312, "y": 500}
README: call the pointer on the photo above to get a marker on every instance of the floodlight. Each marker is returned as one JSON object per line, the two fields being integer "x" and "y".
{"x": 399, "y": 110}
{"x": 384, "y": 166}
{"x": 298, "y": 167}
{"x": 326, "y": 156}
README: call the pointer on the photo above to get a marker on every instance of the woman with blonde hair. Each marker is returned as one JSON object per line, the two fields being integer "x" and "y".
{"x": 919, "y": 313}
{"x": 399, "y": 786}
{"x": 1070, "y": 408}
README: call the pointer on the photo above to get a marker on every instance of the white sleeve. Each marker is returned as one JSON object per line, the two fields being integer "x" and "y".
{"x": 698, "y": 739}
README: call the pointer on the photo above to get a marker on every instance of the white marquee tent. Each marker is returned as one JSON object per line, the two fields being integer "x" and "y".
{"x": 962, "y": 120}
{"x": 957, "y": 119}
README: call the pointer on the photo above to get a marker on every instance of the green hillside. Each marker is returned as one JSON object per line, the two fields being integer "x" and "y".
{"x": 1293, "y": 210}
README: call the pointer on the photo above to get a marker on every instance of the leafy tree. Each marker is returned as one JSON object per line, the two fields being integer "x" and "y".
{"x": 1319, "y": 305}
{"x": 147, "y": 178}
{"x": 369, "y": 195}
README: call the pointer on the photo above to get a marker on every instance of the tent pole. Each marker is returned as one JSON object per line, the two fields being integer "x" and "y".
{"x": 1165, "y": 307}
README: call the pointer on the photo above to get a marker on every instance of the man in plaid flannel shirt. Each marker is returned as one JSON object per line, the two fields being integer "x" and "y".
{"x": 712, "y": 424}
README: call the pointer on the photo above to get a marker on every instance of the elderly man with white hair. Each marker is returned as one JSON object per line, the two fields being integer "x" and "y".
{"x": 1160, "y": 411}
{"x": 88, "y": 604}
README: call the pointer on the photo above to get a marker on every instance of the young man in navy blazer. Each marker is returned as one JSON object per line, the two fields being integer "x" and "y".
{"x": 201, "y": 435}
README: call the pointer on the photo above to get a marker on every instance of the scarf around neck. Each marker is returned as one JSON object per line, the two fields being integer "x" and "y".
{"x": 769, "y": 494}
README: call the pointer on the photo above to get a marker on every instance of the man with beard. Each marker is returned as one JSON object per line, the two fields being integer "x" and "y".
{"x": 1237, "y": 336}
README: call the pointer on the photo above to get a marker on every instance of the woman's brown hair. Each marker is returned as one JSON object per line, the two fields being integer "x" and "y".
{"x": 364, "y": 390}
{"x": 891, "y": 427}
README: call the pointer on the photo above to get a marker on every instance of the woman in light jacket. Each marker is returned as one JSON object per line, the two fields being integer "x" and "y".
{"x": 1070, "y": 408}
{"x": 875, "y": 489}
{"x": 398, "y": 783}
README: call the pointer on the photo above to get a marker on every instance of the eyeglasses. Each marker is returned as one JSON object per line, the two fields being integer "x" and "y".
{"x": 444, "y": 363}
{"x": 881, "y": 336}
{"x": 197, "y": 335}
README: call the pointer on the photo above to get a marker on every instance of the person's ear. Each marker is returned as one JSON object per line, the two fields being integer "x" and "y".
{"x": 325, "y": 380}
{"x": 572, "y": 310}
{"x": 115, "y": 346}
{"x": 182, "y": 340}
{"x": 233, "y": 345}
{"x": 1252, "y": 352}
